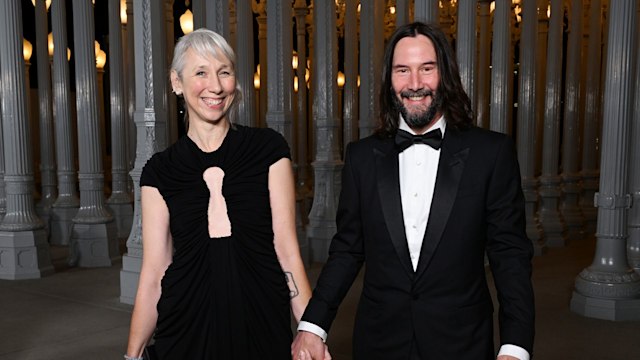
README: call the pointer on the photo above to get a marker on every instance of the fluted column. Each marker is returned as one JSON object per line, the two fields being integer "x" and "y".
{"x": 590, "y": 172}
{"x": 3, "y": 195}
{"x": 279, "y": 80}
{"x": 541, "y": 70}
{"x": 402, "y": 12}
{"x": 150, "y": 118}
{"x": 280, "y": 83}
{"x": 120, "y": 201}
{"x": 130, "y": 75}
{"x": 501, "y": 108}
{"x": 633, "y": 243}
{"x": 172, "y": 106}
{"x": 245, "y": 63}
{"x": 571, "y": 125}
{"x": 23, "y": 243}
{"x": 350, "y": 89}
{"x": 300, "y": 9}
{"x": 67, "y": 204}
{"x": 484, "y": 65}
{"x": 371, "y": 53}
{"x": 47, "y": 152}
{"x": 527, "y": 120}
{"x": 327, "y": 164}
{"x": 260, "y": 7}
{"x": 217, "y": 16}
{"x": 303, "y": 184}
{"x": 609, "y": 288}
{"x": 199, "y": 10}
{"x": 466, "y": 46}
{"x": 94, "y": 234}
{"x": 548, "y": 214}
{"x": 426, "y": 11}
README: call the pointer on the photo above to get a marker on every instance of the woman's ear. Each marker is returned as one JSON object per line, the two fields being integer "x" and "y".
{"x": 176, "y": 83}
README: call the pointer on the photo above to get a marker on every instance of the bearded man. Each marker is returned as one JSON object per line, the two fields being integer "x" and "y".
{"x": 422, "y": 200}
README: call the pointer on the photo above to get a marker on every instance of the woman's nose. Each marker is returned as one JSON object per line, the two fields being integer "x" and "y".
{"x": 214, "y": 85}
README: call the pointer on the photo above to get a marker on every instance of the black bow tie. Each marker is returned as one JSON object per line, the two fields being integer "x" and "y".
{"x": 404, "y": 139}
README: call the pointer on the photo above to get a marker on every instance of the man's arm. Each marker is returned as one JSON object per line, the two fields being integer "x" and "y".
{"x": 346, "y": 256}
{"x": 509, "y": 250}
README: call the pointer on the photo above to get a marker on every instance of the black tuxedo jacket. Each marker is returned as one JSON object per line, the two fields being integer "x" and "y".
{"x": 443, "y": 309}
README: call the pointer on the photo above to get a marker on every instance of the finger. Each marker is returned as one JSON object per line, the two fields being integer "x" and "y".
{"x": 327, "y": 355}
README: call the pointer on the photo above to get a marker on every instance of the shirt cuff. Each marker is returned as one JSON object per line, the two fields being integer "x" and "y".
{"x": 315, "y": 329}
{"x": 515, "y": 351}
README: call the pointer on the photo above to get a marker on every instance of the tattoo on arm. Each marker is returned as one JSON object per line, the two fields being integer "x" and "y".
{"x": 293, "y": 288}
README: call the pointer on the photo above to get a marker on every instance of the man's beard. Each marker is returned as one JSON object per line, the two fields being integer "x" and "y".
{"x": 418, "y": 119}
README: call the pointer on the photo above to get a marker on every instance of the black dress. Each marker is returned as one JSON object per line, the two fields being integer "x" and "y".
{"x": 222, "y": 298}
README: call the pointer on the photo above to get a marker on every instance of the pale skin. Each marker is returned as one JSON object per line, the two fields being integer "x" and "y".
{"x": 213, "y": 177}
{"x": 208, "y": 86}
{"x": 414, "y": 67}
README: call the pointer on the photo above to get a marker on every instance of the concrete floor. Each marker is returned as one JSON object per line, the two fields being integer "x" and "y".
{"x": 76, "y": 314}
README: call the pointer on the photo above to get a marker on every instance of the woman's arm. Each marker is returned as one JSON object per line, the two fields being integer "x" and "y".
{"x": 283, "y": 204}
{"x": 157, "y": 250}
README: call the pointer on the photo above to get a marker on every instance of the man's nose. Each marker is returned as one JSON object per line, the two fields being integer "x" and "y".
{"x": 414, "y": 81}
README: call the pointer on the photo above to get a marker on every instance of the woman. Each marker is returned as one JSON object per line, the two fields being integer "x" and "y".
{"x": 221, "y": 258}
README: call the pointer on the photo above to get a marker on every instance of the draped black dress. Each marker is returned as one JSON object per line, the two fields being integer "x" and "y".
{"x": 222, "y": 298}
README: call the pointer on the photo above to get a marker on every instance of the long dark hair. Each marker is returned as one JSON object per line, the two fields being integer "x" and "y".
{"x": 456, "y": 105}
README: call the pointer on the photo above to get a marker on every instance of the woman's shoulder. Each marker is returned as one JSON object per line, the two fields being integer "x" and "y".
{"x": 167, "y": 154}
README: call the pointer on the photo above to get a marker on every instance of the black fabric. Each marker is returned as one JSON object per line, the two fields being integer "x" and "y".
{"x": 222, "y": 298}
{"x": 150, "y": 353}
{"x": 405, "y": 139}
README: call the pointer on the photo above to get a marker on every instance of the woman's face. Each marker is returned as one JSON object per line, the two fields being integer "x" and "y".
{"x": 208, "y": 85}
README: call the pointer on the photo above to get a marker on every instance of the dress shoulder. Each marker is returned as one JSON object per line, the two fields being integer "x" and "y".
{"x": 149, "y": 176}
{"x": 160, "y": 163}
{"x": 270, "y": 144}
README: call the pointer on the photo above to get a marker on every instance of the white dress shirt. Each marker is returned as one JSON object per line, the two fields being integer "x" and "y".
{"x": 418, "y": 168}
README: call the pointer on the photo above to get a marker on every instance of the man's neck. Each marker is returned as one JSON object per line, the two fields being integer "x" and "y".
{"x": 402, "y": 124}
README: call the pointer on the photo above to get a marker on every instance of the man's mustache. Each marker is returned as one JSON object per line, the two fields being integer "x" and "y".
{"x": 420, "y": 92}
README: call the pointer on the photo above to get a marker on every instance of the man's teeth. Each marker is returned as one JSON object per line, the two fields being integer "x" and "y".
{"x": 416, "y": 98}
{"x": 212, "y": 101}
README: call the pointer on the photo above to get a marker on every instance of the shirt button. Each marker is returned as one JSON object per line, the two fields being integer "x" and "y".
{"x": 415, "y": 195}
{"x": 418, "y": 163}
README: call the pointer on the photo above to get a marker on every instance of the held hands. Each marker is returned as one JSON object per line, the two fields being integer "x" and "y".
{"x": 309, "y": 346}
{"x": 506, "y": 357}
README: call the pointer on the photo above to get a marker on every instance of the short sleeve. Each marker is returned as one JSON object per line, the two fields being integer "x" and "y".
{"x": 149, "y": 176}
{"x": 278, "y": 147}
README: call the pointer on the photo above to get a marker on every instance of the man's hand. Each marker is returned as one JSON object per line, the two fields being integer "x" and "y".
{"x": 309, "y": 346}
{"x": 506, "y": 357}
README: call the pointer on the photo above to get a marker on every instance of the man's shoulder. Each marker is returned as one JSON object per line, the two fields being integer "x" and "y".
{"x": 480, "y": 136}
{"x": 367, "y": 144}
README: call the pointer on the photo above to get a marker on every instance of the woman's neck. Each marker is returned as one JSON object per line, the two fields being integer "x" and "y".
{"x": 208, "y": 137}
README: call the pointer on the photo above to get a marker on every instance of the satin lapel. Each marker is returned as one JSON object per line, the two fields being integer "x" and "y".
{"x": 389, "y": 192}
{"x": 451, "y": 165}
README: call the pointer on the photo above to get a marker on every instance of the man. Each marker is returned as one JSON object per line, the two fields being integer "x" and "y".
{"x": 421, "y": 213}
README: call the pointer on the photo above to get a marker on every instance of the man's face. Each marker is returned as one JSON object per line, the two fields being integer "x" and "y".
{"x": 415, "y": 79}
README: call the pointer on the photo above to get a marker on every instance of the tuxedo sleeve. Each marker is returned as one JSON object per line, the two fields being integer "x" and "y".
{"x": 346, "y": 253}
{"x": 509, "y": 250}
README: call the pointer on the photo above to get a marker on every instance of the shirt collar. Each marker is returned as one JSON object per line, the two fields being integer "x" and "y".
{"x": 440, "y": 124}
